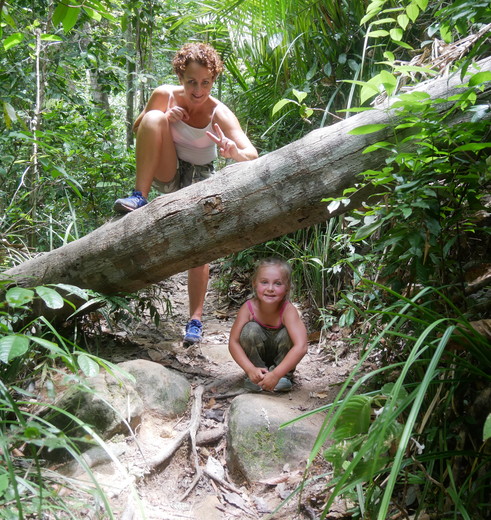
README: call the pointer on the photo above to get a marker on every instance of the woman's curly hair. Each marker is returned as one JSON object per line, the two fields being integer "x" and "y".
{"x": 201, "y": 53}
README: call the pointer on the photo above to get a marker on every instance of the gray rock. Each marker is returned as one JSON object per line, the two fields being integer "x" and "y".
{"x": 116, "y": 400}
{"x": 256, "y": 446}
{"x": 162, "y": 390}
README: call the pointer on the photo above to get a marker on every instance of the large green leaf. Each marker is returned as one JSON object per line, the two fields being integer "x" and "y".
{"x": 88, "y": 366}
{"x": 18, "y": 296}
{"x": 12, "y": 347}
{"x": 354, "y": 418}
{"x": 50, "y": 297}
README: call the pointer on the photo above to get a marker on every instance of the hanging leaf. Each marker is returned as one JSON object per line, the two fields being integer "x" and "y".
{"x": 389, "y": 81}
{"x": 88, "y": 366}
{"x": 412, "y": 11}
{"x": 486, "y": 434}
{"x": 403, "y": 21}
{"x": 67, "y": 15}
{"x": 281, "y": 103}
{"x": 50, "y": 297}
{"x": 396, "y": 34}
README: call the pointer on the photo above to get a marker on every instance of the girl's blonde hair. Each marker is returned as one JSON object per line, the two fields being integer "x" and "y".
{"x": 273, "y": 261}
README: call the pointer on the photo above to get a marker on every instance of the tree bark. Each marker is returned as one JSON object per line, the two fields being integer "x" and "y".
{"x": 242, "y": 205}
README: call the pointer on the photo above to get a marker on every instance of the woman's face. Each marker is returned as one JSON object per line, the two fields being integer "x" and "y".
{"x": 197, "y": 81}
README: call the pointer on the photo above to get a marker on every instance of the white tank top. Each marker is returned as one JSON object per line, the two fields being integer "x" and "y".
{"x": 192, "y": 144}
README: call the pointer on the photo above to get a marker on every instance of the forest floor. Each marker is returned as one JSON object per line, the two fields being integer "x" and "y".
{"x": 327, "y": 364}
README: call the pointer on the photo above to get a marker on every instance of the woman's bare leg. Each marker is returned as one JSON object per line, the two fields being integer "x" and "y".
{"x": 155, "y": 151}
{"x": 197, "y": 286}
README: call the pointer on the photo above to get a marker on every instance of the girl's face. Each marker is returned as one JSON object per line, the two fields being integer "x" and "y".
{"x": 271, "y": 284}
{"x": 197, "y": 81}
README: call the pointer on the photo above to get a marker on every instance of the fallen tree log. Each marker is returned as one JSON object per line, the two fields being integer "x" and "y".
{"x": 242, "y": 205}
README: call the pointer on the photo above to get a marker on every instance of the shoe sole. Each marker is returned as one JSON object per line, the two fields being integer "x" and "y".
{"x": 121, "y": 208}
{"x": 189, "y": 342}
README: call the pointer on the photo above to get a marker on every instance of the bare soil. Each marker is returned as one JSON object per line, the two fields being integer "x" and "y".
{"x": 170, "y": 493}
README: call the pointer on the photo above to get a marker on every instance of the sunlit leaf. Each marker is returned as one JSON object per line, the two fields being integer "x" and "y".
{"x": 480, "y": 77}
{"x": 51, "y": 38}
{"x": 403, "y": 21}
{"x": 389, "y": 81}
{"x": 472, "y": 147}
{"x": 412, "y": 11}
{"x": 12, "y": 40}
{"x": 281, "y": 103}
{"x": 380, "y": 33}
{"x": 299, "y": 95}
{"x": 50, "y": 297}
{"x": 368, "y": 129}
{"x": 396, "y": 34}
{"x": 13, "y": 346}
{"x": 92, "y": 13}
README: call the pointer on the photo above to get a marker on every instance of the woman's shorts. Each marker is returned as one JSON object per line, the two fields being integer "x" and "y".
{"x": 186, "y": 175}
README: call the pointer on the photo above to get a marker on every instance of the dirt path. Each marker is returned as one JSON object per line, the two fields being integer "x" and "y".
{"x": 210, "y": 364}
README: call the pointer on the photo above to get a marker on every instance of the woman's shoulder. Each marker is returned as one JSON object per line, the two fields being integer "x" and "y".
{"x": 167, "y": 90}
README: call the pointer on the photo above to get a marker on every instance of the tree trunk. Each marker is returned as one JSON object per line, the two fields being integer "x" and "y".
{"x": 243, "y": 204}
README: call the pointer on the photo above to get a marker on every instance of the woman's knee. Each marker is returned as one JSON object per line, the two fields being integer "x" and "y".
{"x": 154, "y": 119}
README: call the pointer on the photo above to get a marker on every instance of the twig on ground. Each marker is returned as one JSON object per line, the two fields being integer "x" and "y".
{"x": 208, "y": 437}
{"x": 222, "y": 482}
{"x": 166, "y": 454}
{"x": 193, "y": 428}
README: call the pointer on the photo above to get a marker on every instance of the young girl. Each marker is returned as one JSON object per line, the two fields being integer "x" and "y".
{"x": 268, "y": 331}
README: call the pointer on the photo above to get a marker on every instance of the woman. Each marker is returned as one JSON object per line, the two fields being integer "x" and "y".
{"x": 176, "y": 139}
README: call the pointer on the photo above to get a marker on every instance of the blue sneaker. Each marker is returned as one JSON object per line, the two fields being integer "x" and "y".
{"x": 137, "y": 200}
{"x": 194, "y": 332}
{"x": 252, "y": 387}
{"x": 283, "y": 385}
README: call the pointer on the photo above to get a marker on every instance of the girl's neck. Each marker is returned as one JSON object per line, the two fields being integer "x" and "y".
{"x": 268, "y": 307}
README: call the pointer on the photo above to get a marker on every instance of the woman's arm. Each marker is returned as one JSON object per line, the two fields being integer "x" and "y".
{"x": 232, "y": 141}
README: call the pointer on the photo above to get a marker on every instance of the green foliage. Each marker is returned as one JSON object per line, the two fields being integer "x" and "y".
{"x": 431, "y": 196}
{"x": 37, "y": 352}
{"x": 388, "y": 437}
